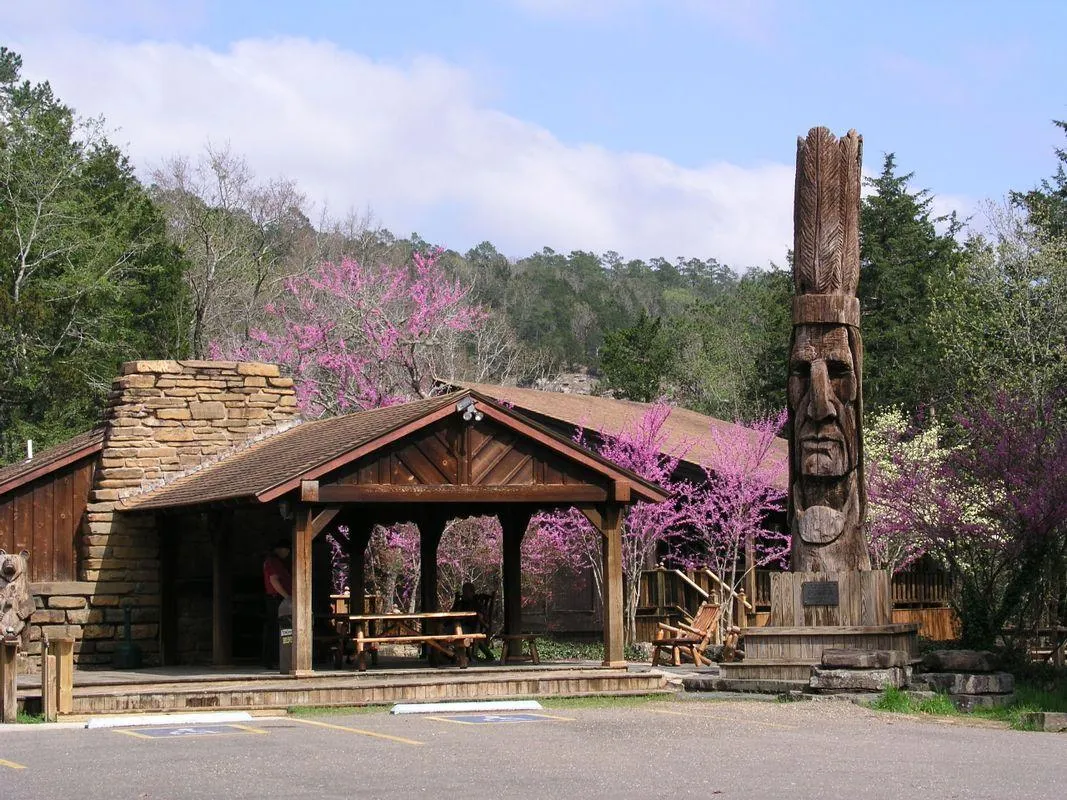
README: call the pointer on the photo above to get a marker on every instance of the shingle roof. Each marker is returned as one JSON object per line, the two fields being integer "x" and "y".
{"x": 46, "y": 461}
{"x": 265, "y": 467}
{"x": 686, "y": 431}
{"x": 271, "y": 462}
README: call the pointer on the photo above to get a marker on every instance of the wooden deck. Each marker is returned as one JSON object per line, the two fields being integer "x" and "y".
{"x": 188, "y": 689}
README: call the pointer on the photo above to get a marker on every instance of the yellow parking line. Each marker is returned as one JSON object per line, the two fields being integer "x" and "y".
{"x": 11, "y": 764}
{"x": 360, "y": 731}
{"x": 248, "y": 729}
{"x": 725, "y": 719}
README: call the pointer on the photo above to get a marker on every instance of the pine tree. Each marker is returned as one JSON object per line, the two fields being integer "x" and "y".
{"x": 903, "y": 257}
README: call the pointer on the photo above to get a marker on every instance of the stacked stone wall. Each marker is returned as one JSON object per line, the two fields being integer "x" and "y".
{"x": 164, "y": 419}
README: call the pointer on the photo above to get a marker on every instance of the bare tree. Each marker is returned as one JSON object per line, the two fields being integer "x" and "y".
{"x": 239, "y": 235}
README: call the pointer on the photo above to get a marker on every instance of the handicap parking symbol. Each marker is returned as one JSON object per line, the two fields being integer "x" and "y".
{"x": 175, "y": 731}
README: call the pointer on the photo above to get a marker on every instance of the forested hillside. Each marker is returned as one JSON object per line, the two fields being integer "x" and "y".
{"x": 193, "y": 259}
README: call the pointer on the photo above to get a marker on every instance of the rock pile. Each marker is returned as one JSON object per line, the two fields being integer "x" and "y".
{"x": 969, "y": 677}
{"x": 852, "y": 670}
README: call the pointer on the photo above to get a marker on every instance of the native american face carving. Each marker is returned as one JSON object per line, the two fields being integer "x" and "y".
{"x": 825, "y": 388}
{"x": 822, "y": 396}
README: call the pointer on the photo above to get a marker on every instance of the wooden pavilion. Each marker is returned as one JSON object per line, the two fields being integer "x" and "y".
{"x": 457, "y": 455}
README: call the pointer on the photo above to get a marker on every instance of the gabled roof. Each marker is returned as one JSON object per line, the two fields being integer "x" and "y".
{"x": 272, "y": 467}
{"x": 48, "y": 461}
{"x": 686, "y": 431}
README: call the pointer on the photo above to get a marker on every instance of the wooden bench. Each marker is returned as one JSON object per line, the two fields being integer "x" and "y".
{"x": 512, "y": 648}
{"x": 438, "y": 642}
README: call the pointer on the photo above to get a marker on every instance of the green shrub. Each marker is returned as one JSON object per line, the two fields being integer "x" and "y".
{"x": 894, "y": 700}
{"x": 939, "y": 705}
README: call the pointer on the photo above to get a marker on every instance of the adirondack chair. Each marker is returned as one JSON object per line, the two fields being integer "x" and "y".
{"x": 687, "y": 639}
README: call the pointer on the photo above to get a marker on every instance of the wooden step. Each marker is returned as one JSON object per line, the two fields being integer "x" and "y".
{"x": 362, "y": 690}
{"x": 783, "y": 669}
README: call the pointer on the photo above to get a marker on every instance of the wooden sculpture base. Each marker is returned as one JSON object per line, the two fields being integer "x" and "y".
{"x": 812, "y": 612}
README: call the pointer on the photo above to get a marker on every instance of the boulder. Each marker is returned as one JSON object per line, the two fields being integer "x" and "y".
{"x": 858, "y": 680}
{"x": 964, "y": 683}
{"x": 959, "y": 661}
{"x": 1051, "y": 721}
{"x": 852, "y": 658}
{"x": 969, "y": 702}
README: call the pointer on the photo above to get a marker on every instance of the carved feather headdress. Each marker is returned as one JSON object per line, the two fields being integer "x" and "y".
{"x": 826, "y": 247}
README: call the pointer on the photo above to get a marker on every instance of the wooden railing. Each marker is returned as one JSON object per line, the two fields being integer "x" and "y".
{"x": 921, "y": 590}
{"x": 908, "y": 589}
{"x": 673, "y": 594}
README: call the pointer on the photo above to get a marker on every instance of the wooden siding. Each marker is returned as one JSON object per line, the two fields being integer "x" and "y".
{"x": 935, "y": 624}
{"x": 43, "y": 518}
{"x": 451, "y": 452}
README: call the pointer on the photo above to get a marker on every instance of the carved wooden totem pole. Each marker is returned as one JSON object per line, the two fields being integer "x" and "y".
{"x": 827, "y": 498}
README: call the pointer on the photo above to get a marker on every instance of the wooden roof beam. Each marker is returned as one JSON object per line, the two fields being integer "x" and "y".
{"x": 312, "y": 492}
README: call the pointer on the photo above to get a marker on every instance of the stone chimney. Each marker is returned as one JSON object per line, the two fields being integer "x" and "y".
{"x": 164, "y": 419}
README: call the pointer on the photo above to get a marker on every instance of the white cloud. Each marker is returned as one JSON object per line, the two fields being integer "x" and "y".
{"x": 414, "y": 143}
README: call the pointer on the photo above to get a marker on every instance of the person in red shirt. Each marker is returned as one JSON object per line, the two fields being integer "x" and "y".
{"x": 277, "y": 587}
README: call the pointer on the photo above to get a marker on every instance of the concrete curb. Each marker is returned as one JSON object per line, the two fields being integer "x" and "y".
{"x": 142, "y": 720}
{"x": 484, "y": 705}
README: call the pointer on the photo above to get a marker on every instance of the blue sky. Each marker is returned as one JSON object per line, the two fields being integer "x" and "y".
{"x": 651, "y": 127}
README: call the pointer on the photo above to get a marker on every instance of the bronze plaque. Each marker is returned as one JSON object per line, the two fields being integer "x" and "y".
{"x": 819, "y": 593}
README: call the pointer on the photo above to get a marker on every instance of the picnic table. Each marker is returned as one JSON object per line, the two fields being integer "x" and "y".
{"x": 441, "y": 632}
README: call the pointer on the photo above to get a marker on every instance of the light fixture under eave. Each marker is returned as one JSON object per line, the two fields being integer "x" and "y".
{"x": 467, "y": 407}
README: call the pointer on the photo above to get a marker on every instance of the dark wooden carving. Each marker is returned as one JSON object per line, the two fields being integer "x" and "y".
{"x": 827, "y": 501}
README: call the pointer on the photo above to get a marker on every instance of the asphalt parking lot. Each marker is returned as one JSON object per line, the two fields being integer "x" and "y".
{"x": 648, "y": 749}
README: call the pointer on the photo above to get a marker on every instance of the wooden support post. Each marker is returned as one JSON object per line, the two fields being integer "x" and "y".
{"x": 303, "y": 534}
{"x": 221, "y": 590}
{"x": 168, "y": 590}
{"x": 431, "y": 526}
{"x": 63, "y": 649}
{"x": 9, "y": 703}
{"x": 358, "y": 539}
{"x": 513, "y": 522}
{"x": 611, "y": 529}
{"x": 48, "y": 683}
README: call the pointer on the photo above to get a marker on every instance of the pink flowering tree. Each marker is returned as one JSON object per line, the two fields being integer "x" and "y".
{"x": 356, "y": 337}
{"x": 993, "y": 512}
{"x": 470, "y": 550}
{"x": 571, "y": 539}
{"x": 393, "y": 562}
{"x": 890, "y": 444}
{"x": 728, "y": 516}
{"x": 550, "y": 556}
